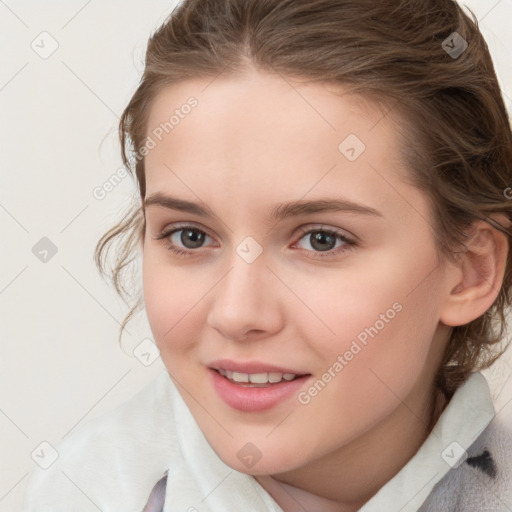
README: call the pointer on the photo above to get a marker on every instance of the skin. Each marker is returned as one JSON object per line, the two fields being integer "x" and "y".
{"x": 255, "y": 141}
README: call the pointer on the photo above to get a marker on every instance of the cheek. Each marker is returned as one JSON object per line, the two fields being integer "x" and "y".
{"x": 381, "y": 316}
{"x": 171, "y": 297}
{"x": 384, "y": 324}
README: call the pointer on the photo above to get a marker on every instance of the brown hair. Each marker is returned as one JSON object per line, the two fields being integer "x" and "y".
{"x": 455, "y": 134}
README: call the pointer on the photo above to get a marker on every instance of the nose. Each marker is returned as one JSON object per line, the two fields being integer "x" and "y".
{"x": 246, "y": 303}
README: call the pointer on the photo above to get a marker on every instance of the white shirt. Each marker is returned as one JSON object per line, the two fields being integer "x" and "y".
{"x": 112, "y": 463}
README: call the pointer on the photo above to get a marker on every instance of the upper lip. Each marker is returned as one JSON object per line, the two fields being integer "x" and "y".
{"x": 251, "y": 367}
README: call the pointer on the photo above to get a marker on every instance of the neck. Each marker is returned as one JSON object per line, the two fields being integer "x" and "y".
{"x": 344, "y": 480}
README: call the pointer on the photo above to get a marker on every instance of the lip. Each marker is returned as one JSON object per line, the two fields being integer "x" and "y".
{"x": 252, "y": 367}
{"x": 255, "y": 399}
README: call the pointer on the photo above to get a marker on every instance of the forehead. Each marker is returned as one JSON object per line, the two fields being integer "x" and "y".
{"x": 263, "y": 136}
{"x": 259, "y": 106}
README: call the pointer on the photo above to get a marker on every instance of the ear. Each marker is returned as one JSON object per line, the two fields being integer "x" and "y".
{"x": 474, "y": 283}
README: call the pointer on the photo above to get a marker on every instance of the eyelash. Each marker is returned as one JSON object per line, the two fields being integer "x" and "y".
{"x": 348, "y": 243}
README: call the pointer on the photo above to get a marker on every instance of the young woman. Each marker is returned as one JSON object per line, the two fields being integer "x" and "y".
{"x": 324, "y": 229}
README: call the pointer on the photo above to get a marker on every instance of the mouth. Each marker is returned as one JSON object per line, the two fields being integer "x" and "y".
{"x": 256, "y": 392}
{"x": 258, "y": 380}
{"x": 254, "y": 386}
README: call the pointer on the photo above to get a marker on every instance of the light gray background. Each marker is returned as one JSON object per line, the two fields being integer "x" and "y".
{"x": 60, "y": 362}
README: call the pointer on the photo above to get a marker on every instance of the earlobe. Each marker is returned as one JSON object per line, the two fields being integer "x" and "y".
{"x": 474, "y": 284}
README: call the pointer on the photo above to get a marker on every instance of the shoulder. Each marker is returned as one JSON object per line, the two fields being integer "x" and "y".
{"x": 483, "y": 481}
{"x": 112, "y": 459}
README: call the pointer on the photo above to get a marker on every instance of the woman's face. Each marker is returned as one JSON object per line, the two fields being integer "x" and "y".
{"x": 301, "y": 251}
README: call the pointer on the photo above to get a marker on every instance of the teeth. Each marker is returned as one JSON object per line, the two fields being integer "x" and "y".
{"x": 275, "y": 377}
{"x": 257, "y": 378}
{"x": 240, "y": 377}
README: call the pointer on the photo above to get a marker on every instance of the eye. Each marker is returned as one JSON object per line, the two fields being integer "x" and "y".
{"x": 183, "y": 240}
{"x": 324, "y": 242}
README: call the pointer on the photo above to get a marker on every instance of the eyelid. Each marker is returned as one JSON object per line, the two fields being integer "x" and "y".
{"x": 303, "y": 230}
{"x": 168, "y": 230}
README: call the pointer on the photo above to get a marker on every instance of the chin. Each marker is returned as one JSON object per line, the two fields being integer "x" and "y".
{"x": 259, "y": 465}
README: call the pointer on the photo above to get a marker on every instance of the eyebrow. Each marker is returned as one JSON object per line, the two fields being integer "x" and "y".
{"x": 277, "y": 213}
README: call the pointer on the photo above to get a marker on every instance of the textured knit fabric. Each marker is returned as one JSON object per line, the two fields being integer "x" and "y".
{"x": 149, "y": 455}
{"x": 484, "y": 480}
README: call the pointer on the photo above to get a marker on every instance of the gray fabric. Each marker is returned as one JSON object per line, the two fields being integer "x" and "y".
{"x": 157, "y": 497}
{"x": 483, "y": 482}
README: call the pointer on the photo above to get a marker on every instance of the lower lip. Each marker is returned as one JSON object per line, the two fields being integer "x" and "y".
{"x": 254, "y": 399}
